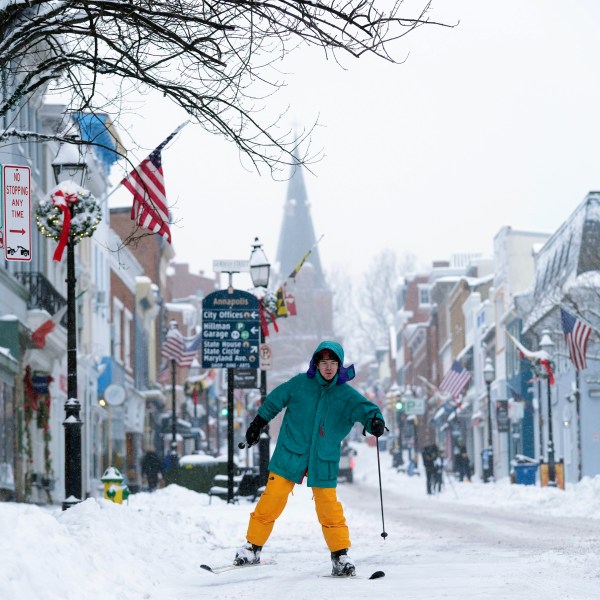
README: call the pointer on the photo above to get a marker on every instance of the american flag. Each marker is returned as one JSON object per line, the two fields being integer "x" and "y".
{"x": 147, "y": 184}
{"x": 577, "y": 334}
{"x": 181, "y": 349}
{"x": 455, "y": 380}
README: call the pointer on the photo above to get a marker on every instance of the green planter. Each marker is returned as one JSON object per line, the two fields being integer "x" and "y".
{"x": 196, "y": 472}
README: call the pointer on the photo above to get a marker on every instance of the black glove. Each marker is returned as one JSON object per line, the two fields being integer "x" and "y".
{"x": 253, "y": 433}
{"x": 377, "y": 427}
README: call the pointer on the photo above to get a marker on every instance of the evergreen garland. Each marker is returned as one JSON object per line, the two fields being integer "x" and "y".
{"x": 37, "y": 402}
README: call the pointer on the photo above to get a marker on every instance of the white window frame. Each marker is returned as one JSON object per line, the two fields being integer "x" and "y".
{"x": 127, "y": 332}
{"x": 427, "y": 290}
{"x": 117, "y": 322}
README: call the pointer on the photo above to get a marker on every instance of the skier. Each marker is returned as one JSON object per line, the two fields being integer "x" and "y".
{"x": 321, "y": 409}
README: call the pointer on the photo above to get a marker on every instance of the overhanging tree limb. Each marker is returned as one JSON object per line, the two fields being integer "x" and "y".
{"x": 216, "y": 60}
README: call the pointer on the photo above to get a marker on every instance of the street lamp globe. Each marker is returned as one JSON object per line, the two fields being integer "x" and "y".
{"x": 489, "y": 373}
{"x": 69, "y": 164}
{"x": 260, "y": 268}
{"x": 546, "y": 342}
{"x": 195, "y": 368}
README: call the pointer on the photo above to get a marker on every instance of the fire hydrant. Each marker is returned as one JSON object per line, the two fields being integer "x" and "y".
{"x": 114, "y": 488}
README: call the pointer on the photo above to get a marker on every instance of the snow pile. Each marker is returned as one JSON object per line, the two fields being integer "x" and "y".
{"x": 151, "y": 548}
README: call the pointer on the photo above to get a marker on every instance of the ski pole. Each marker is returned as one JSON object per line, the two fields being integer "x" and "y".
{"x": 451, "y": 483}
{"x": 383, "y": 533}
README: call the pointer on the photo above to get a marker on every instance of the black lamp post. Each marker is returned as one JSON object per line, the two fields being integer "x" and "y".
{"x": 70, "y": 165}
{"x": 173, "y": 451}
{"x": 489, "y": 375}
{"x": 260, "y": 269}
{"x": 194, "y": 371}
{"x": 547, "y": 345}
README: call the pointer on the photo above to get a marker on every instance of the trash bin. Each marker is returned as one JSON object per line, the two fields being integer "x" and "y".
{"x": 525, "y": 474}
{"x": 487, "y": 464}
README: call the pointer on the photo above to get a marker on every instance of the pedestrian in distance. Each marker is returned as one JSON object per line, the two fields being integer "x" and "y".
{"x": 463, "y": 464}
{"x": 321, "y": 409}
{"x": 151, "y": 469}
{"x": 430, "y": 454}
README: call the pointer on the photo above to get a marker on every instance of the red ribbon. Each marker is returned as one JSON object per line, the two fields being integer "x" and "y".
{"x": 546, "y": 364}
{"x": 62, "y": 200}
{"x": 262, "y": 309}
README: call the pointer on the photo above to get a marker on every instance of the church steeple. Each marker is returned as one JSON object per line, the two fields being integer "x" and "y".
{"x": 300, "y": 333}
{"x": 297, "y": 234}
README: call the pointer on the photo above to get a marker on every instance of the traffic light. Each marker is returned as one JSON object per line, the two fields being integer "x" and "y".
{"x": 399, "y": 405}
{"x": 224, "y": 412}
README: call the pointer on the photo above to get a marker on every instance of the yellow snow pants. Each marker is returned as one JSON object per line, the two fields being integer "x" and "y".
{"x": 273, "y": 500}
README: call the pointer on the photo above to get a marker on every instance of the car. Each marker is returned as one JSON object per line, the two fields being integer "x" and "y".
{"x": 347, "y": 455}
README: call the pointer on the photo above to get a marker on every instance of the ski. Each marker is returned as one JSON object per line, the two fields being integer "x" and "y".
{"x": 375, "y": 575}
{"x": 224, "y": 568}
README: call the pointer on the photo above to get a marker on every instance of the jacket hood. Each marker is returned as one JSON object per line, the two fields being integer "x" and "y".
{"x": 344, "y": 374}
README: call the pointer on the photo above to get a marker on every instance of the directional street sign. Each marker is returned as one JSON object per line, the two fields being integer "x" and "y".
{"x": 16, "y": 200}
{"x": 235, "y": 266}
{"x": 230, "y": 330}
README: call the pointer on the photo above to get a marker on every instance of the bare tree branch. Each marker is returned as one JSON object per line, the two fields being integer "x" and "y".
{"x": 215, "y": 59}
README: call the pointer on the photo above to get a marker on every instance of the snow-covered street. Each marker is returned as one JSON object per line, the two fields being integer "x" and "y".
{"x": 471, "y": 541}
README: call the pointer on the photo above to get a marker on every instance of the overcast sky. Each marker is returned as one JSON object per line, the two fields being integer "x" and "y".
{"x": 493, "y": 122}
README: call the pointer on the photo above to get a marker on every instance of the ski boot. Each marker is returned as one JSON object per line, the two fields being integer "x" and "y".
{"x": 248, "y": 554}
{"x": 342, "y": 564}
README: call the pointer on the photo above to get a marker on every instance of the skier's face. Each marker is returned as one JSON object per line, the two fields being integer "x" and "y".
{"x": 328, "y": 369}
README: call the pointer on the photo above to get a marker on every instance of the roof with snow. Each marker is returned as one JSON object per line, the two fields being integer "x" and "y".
{"x": 570, "y": 253}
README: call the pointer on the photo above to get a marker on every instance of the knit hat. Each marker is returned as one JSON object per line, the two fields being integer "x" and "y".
{"x": 326, "y": 354}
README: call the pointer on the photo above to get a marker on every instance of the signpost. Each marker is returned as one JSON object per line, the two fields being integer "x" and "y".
{"x": 230, "y": 340}
{"x": 266, "y": 356}
{"x": 16, "y": 201}
{"x": 230, "y": 330}
{"x": 245, "y": 379}
{"x": 414, "y": 406}
{"x": 231, "y": 266}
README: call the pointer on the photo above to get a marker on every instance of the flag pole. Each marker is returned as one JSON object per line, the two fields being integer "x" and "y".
{"x": 174, "y": 413}
{"x": 578, "y": 413}
{"x": 160, "y": 146}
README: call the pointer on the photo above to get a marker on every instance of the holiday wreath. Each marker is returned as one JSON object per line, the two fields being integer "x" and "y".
{"x": 68, "y": 214}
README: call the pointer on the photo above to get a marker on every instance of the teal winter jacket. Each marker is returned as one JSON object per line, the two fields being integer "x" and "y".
{"x": 318, "y": 416}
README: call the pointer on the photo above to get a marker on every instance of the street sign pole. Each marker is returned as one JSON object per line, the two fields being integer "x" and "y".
{"x": 264, "y": 442}
{"x": 230, "y": 468}
{"x": 230, "y": 340}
